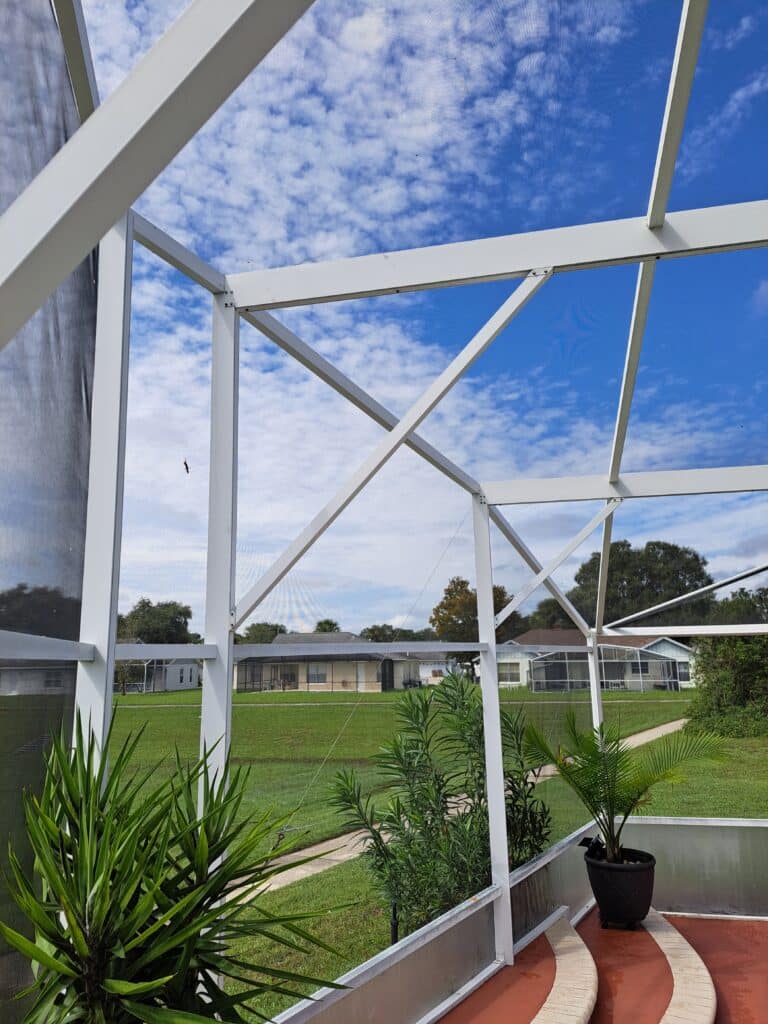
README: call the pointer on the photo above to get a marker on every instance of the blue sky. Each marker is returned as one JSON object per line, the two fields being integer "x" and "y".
{"x": 383, "y": 125}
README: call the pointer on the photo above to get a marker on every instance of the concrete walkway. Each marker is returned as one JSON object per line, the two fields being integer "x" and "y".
{"x": 332, "y": 852}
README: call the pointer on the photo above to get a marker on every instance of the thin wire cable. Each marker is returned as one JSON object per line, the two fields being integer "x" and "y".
{"x": 359, "y": 701}
{"x": 437, "y": 565}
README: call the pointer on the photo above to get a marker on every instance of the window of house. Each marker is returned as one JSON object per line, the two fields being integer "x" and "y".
{"x": 683, "y": 671}
{"x": 639, "y": 667}
{"x": 509, "y": 672}
{"x": 317, "y": 673}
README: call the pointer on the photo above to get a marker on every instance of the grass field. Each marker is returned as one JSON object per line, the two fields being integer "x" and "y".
{"x": 294, "y": 743}
{"x": 737, "y": 787}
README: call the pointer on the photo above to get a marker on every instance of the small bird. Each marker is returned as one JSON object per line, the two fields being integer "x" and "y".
{"x": 186, "y": 466}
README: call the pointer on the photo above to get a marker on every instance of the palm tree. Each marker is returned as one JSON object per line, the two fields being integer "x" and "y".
{"x": 610, "y": 778}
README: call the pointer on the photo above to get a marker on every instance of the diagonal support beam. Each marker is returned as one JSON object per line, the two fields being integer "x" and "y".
{"x": 327, "y": 372}
{"x": 389, "y": 444}
{"x": 684, "y": 598}
{"x": 69, "y": 15}
{"x": 689, "y": 37}
{"x": 523, "y": 594}
{"x": 534, "y": 565}
{"x": 127, "y": 141}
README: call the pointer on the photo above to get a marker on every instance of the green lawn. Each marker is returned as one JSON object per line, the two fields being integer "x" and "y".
{"x": 355, "y": 932}
{"x": 295, "y": 743}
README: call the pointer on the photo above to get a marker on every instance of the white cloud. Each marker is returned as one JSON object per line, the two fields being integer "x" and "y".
{"x": 373, "y": 125}
{"x": 700, "y": 147}
{"x": 760, "y": 297}
{"x": 729, "y": 38}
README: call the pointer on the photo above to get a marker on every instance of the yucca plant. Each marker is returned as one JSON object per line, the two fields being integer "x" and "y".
{"x": 610, "y": 778}
{"x": 138, "y": 895}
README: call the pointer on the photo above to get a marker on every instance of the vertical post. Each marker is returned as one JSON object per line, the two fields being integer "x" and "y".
{"x": 640, "y": 672}
{"x": 595, "y": 691}
{"x": 216, "y": 719}
{"x": 104, "y": 523}
{"x": 494, "y": 764}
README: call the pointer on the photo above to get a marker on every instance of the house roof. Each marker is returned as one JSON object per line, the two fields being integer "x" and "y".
{"x": 317, "y": 638}
{"x": 551, "y": 637}
{"x": 574, "y": 638}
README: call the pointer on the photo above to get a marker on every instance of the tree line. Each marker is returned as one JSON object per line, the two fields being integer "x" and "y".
{"x": 639, "y": 578}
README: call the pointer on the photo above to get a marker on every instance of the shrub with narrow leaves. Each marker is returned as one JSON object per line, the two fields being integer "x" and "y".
{"x": 140, "y": 893}
{"x": 429, "y": 845}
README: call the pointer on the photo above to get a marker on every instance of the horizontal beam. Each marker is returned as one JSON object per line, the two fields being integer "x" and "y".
{"x": 127, "y": 141}
{"x": 28, "y": 647}
{"x": 387, "y": 447}
{"x": 655, "y": 484}
{"x": 177, "y": 255}
{"x": 684, "y": 598}
{"x": 327, "y": 372}
{"x": 604, "y": 244}
{"x": 535, "y": 565}
{"x": 731, "y": 629}
{"x": 352, "y": 648}
{"x": 164, "y": 652}
{"x": 525, "y": 592}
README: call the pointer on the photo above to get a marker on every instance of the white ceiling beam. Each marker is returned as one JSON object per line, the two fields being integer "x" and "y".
{"x": 535, "y": 565}
{"x": 389, "y": 444}
{"x": 327, "y": 372}
{"x": 525, "y": 592}
{"x": 692, "y": 18}
{"x": 731, "y": 629}
{"x": 691, "y": 596}
{"x": 604, "y": 244}
{"x": 177, "y": 255}
{"x": 654, "y": 484}
{"x": 602, "y": 572}
{"x": 30, "y": 647}
{"x": 165, "y": 652}
{"x": 351, "y": 649}
{"x": 77, "y": 51}
{"x": 684, "y": 63}
{"x": 127, "y": 141}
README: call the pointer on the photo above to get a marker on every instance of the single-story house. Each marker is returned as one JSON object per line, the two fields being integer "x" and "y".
{"x": 359, "y": 671}
{"x": 31, "y": 678}
{"x": 556, "y": 659}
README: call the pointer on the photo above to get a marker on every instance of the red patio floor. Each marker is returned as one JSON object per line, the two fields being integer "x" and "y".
{"x": 514, "y": 995}
{"x": 633, "y": 976}
{"x": 736, "y": 955}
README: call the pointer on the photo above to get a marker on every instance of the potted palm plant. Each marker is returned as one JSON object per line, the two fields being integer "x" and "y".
{"x": 613, "y": 780}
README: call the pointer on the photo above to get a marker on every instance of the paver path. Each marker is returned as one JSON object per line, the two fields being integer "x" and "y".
{"x": 332, "y": 852}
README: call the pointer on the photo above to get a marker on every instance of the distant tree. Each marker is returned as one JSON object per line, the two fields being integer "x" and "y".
{"x": 166, "y": 622}
{"x": 260, "y": 633}
{"x": 327, "y": 626}
{"x": 387, "y": 634}
{"x": 455, "y": 615}
{"x": 641, "y": 577}
{"x": 548, "y": 615}
{"x": 40, "y": 610}
{"x": 743, "y": 606}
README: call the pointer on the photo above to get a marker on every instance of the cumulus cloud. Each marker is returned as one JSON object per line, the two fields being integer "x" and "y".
{"x": 373, "y": 125}
{"x": 701, "y": 144}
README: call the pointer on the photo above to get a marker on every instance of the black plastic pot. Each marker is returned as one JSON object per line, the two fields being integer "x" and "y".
{"x": 623, "y": 892}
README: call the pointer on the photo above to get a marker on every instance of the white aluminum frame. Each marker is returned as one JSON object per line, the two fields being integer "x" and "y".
{"x": 107, "y": 164}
